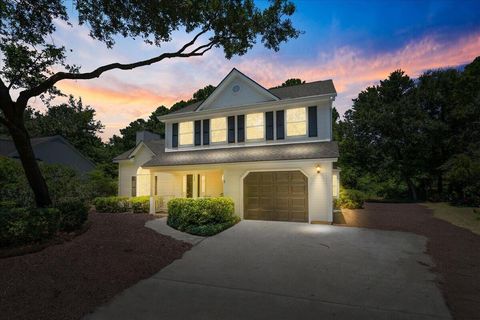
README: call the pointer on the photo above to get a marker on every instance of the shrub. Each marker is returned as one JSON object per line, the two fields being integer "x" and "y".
{"x": 122, "y": 204}
{"x": 351, "y": 199}
{"x": 139, "y": 204}
{"x": 73, "y": 214}
{"x": 19, "y": 226}
{"x": 203, "y": 216}
{"x": 111, "y": 204}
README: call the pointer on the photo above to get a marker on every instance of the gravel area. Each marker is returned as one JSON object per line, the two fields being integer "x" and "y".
{"x": 69, "y": 280}
{"x": 455, "y": 251}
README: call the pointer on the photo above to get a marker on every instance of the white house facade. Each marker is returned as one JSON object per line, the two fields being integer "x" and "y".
{"x": 270, "y": 150}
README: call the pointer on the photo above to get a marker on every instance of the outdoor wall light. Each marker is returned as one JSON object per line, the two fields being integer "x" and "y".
{"x": 223, "y": 178}
{"x": 318, "y": 168}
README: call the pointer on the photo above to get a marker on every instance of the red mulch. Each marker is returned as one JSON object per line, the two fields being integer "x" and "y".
{"x": 455, "y": 251}
{"x": 69, "y": 280}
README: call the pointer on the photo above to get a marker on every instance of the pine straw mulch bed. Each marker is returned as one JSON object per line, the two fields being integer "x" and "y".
{"x": 455, "y": 251}
{"x": 69, "y": 280}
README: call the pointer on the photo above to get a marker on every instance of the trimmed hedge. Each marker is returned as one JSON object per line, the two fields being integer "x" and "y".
{"x": 122, "y": 204}
{"x": 73, "y": 214}
{"x": 202, "y": 216}
{"x": 350, "y": 199}
{"x": 19, "y": 226}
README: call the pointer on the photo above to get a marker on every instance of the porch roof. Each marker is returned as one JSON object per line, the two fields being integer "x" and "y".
{"x": 297, "y": 151}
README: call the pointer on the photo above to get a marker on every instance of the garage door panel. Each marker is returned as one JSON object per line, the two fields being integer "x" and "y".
{"x": 281, "y": 195}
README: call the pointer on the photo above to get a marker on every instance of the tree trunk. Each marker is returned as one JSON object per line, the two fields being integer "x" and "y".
{"x": 34, "y": 176}
{"x": 440, "y": 185}
{"x": 411, "y": 188}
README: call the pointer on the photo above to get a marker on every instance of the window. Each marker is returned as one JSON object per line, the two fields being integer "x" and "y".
{"x": 255, "y": 126}
{"x": 218, "y": 130}
{"x": 134, "y": 186}
{"x": 156, "y": 186}
{"x": 186, "y": 133}
{"x": 296, "y": 122}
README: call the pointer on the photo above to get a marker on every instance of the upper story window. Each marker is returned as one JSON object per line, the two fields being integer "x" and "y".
{"x": 185, "y": 133}
{"x": 296, "y": 120}
{"x": 218, "y": 129}
{"x": 255, "y": 126}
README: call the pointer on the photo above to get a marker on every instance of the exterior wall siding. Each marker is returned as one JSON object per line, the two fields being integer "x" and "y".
{"x": 129, "y": 168}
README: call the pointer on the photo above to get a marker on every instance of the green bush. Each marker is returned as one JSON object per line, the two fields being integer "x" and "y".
{"x": 73, "y": 214}
{"x": 111, "y": 204}
{"x": 351, "y": 199}
{"x": 122, "y": 204}
{"x": 62, "y": 181}
{"x": 19, "y": 226}
{"x": 203, "y": 216}
{"x": 139, "y": 204}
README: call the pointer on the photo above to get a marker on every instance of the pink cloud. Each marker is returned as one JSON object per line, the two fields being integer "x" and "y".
{"x": 122, "y": 96}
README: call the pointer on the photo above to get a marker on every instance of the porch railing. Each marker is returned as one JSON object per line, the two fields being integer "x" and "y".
{"x": 158, "y": 204}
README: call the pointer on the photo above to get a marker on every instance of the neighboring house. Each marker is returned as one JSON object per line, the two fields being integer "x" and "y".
{"x": 52, "y": 150}
{"x": 271, "y": 151}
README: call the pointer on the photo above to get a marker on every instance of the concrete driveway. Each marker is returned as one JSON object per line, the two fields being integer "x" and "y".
{"x": 283, "y": 270}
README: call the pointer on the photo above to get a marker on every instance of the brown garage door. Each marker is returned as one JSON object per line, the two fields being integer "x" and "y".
{"x": 279, "y": 195}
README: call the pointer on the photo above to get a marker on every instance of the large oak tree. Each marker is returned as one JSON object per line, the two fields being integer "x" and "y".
{"x": 33, "y": 64}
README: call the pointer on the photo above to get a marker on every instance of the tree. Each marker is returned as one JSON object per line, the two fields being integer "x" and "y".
{"x": 290, "y": 82}
{"x": 33, "y": 64}
{"x": 383, "y": 132}
{"x": 72, "y": 120}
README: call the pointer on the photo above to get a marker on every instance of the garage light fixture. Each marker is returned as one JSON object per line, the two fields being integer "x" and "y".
{"x": 318, "y": 168}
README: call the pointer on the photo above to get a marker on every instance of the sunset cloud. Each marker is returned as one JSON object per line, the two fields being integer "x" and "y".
{"x": 123, "y": 96}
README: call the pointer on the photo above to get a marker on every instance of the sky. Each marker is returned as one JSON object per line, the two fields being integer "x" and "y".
{"x": 355, "y": 43}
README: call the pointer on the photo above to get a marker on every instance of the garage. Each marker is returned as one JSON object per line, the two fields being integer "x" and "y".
{"x": 276, "y": 195}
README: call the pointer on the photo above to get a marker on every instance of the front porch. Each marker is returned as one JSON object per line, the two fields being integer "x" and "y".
{"x": 164, "y": 184}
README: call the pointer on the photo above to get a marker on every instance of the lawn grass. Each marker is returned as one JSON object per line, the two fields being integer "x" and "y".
{"x": 459, "y": 216}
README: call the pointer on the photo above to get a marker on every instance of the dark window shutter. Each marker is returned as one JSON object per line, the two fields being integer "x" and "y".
{"x": 241, "y": 128}
{"x": 280, "y": 125}
{"x": 312, "y": 121}
{"x": 269, "y": 126}
{"x": 206, "y": 131}
{"x": 231, "y": 129}
{"x": 198, "y": 132}
{"x": 175, "y": 135}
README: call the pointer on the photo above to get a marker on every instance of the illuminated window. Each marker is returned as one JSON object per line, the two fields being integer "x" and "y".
{"x": 296, "y": 122}
{"x": 255, "y": 126}
{"x": 185, "y": 133}
{"x": 218, "y": 130}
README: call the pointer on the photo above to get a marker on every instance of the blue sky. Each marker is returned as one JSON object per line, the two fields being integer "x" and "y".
{"x": 355, "y": 43}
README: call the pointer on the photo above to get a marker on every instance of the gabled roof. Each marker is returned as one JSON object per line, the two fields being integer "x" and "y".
{"x": 286, "y": 151}
{"x": 155, "y": 146}
{"x": 309, "y": 89}
{"x": 8, "y": 149}
{"x": 230, "y": 76}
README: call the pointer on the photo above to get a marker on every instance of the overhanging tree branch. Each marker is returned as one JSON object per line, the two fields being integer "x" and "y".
{"x": 50, "y": 82}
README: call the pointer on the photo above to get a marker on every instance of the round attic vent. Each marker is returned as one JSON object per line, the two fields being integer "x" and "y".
{"x": 236, "y": 88}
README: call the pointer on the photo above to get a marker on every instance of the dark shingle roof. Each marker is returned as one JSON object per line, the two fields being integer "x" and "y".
{"x": 156, "y": 146}
{"x": 298, "y": 151}
{"x": 305, "y": 90}
{"x": 7, "y": 147}
{"x": 301, "y": 90}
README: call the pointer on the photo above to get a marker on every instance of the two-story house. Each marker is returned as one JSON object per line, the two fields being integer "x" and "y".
{"x": 271, "y": 151}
